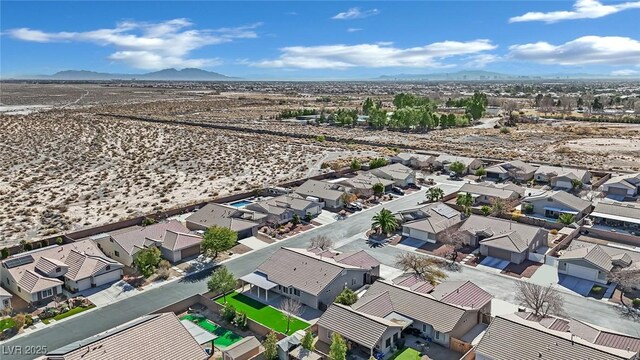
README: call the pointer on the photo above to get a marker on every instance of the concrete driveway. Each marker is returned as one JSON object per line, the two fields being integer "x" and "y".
{"x": 493, "y": 264}
{"x": 545, "y": 275}
{"x": 108, "y": 294}
{"x": 577, "y": 285}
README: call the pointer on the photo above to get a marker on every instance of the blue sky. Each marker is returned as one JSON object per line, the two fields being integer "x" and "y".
{"x": 312, "y": 39}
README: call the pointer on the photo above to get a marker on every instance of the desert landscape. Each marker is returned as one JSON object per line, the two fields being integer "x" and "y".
{"x": 68, "y": 164}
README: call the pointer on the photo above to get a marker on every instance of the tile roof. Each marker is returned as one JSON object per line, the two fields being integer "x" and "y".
{"x": 495, "y": 227}
{"x": 4, "y": 293}
{"x": 137, "y": 238}
{"x": 32, "y": 282}
{"x": 617, "y": 209}
{"x": 511, "y": 334}
{"x": 433, "y": 218}
{"x": 354, "y": 325}
{"x": 321, "y": 189}
{"x": 518, "y": 166}
{"x": 591, "y": 254}
{"x": 225, "y": 216}
{"x": 563, "y": 197}
{"x": 556, "y": 171}
{"x": 281, "y": 204}
{"x": 395, "y": 171}
{"x": 462, "y": 293}
{"x": 360, "y": 258}
{"x": 302, "y": 269}
{"x": 422, "y": 307}
{"x": 158, "y": 337}
{"x": 508, "y": 241}
{"x": 365, "y": 181}
{"x": 178, "y": 241}
{"x": 491, "y": 191}
{"x": 627, "y": 180}
{"x": 447, "y": 159}
{"x": 414, "y": 283}
{"x": 47, "y": 265}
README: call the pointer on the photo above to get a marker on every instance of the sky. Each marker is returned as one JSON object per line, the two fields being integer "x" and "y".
{"x": 321, "y": 40}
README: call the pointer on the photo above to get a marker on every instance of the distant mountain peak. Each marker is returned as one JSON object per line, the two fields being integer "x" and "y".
{"x": 189, "y": 74}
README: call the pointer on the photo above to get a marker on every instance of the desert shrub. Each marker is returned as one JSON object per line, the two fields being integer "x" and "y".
{"x": 229, "y": 313}
{"x": 597, "y": 289}
{"x": 504, "y": 130}
{"x": 28, "y": 320}
{"x": 148, "y": 221}
{"x": 527, "y": 208}
{"x": 19, "y": 321}
{"x": 163, "y": 274}
{"x": 164, "y": 264}
{"x": 636, "y": 302}
{"x": 554, "y": 232}
{"x": 320, "y": 138}
{"x": 59, "y": 241}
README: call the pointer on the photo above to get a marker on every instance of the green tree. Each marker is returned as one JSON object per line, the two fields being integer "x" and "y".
{"x": 377, "y": 162}
{"x": 295, "y": 219}
{"x": 378, "y": 189}
{"x": 222, "y": 281}
{"x": 147, "y": 260}
{"x": 347, "y": 297}
{"x": 355, "y": 164}
{"x": 457, "y": 168}
{"x": 377, "y": 118}
{"x": 307, "y": 341}
{"x": 367, "y": 106}
{"x": 486, "y": 210}
{"x": 271, "y": 346}
{"x": 338, "y": 348}
{"x": 480, "y": 172}
{"x": 4, "y": 253}
{"x": 59, "y": 241}
{"x": 566, "y": 219}
{"x": 435, "y": 194}
{"x": 477, "y": 105}
{"x": 465, "y": 201}
{"x": 217, "y": 239}
{"x": 384, "y": 222}
{"x": 576, "y": 184}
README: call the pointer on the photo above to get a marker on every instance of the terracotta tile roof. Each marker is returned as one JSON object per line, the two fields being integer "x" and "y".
{"x": 158, "y": 337}
{"x": 361, "y": 259}
{"x": 462, "y": 293}
{"x": 178, "y": 241}
{"x": 137, "y": 237}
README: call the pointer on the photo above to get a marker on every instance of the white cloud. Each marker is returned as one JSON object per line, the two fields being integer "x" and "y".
{"x": 353, "y": 29}
{"x": 148, "y": 45}
{"x": 481, "y": 60}
{"x": 355, "y": 13}
{"x": 624, "y": 72}
{"x": 609, "y": 50}
{"x": 582, "y": 9}
{"x": 374, "y": 55}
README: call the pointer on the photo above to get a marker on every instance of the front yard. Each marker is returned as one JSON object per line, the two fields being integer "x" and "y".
{"x": 263, "y": 313}
{"x": 66, "y": 314}
{"x": 6, "y": 324}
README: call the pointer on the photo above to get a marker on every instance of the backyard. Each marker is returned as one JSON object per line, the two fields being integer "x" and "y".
{"x": 406, "y": 354}
{"x": 224, "y": 337}
{"x": 262, "y": 313}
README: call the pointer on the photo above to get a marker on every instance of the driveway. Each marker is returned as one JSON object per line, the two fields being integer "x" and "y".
{"x": 411, "y": 244}
{"x": 493, "y": 264}
{"x": 577, "y": 285}
{"x": 253, "y": 242}
{"x": 545, "y": 275}
{"x": 108, "y": 294}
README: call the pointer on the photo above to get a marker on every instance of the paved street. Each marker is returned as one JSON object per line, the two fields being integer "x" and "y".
{"x": 347, "y": 232}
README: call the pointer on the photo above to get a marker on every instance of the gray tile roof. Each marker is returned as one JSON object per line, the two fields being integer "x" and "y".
{"x": 433, "y": 218}
{"x": 563, "y": 197}
{"x": 354, "y": 325}
{"x": 508, "y": 241}
{"x": 365, "y": 181}
{"x": 517, "y": 166}
{"x": 594, "y": 255}
{"x": 510, "y": 334}
{"x": 321, "y": 189}
{"x": 302, "y": 269}
{"x": 448, "y": 159}
{"x": 422, "y": 307}
{"x": 158, "y": 337}
{"x": 627, "y": 180}
{"x": 360, "y": 258}
{"x": 491, "y": 191}
{"x": 395, "y": 171}
{"x": 281, "y": 204}
{"x": 461, "y": 293}
{"x": 137, "y": 238}
{"x": 495, "y": 227}
{"x": 553, "y": 171}
{"x": 223, "y": 215}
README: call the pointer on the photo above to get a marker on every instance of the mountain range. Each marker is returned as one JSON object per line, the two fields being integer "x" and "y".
{"x": 190, "y": 74}
{"x": 471, "y": 75}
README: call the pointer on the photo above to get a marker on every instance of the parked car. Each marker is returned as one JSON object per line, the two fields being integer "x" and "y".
{"x": 354, "y": 206}
{"x": 414, "y": 186}
{"x": 396, "y": 190}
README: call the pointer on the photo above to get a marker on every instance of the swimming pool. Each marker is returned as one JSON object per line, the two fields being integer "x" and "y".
{"x": 241, "y": 203}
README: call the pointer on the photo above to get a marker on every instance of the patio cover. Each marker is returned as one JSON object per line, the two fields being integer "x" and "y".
{"x": 399, "y": 319}
{"x": 616, "y": 217}
{"x": 561, "y": 210}
{"x": 259, "y": 281}
{"x": 201, "y": 335}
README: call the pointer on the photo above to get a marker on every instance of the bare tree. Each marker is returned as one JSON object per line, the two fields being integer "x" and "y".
{"x": 291, "y": 308}
{"x": 546, "y": 104}
{"x": 509, "y": 107}
{"x": 543, "y": 300}
{"x": 426, "y": 268}
{"x": 502, "y": 206}
{"x": 321, "y": 242}
{"x": 626, "y": 279}
{"x": 568, "y": 103}
{"x": 455, "y": 239}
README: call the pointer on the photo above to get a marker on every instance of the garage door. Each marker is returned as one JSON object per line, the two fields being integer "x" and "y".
{"x": 617, "y": 191}
{"x": 563, "y": 184}
{"x": 499, "y": 253}
{"x": 581, "y": 272}
{"x": 107, "y": 278}
{"x": 190, "y": 251}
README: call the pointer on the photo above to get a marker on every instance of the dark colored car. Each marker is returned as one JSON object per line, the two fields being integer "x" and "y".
{"x": 396, "y": 190}
{"x": 413, "y": 186}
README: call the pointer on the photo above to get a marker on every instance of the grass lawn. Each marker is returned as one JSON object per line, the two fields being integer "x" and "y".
{"x": 224, "y": 337}
{"x": 263, "y": 313}
{"x": 6, "y": 323}
{"x": 406, "y": 354}
{"x": 66, "y": 314}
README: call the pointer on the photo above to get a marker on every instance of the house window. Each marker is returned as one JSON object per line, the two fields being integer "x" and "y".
{"x": 395, "y": 337}
{"x": 424, "y": 328}
{"x": 353, "y": 281}
{"x": 117, "y": 253}
{"x": 58, "y": 269}
{"x": 437, "y": 335}
{"x": 387, "y": 343}
{"x": 296, "y": 292}
{"x": 108, "y": 267}
{"x": 47, "y": 293}
{"x": 329, "y": 333}
{"x": 19, "y": 290}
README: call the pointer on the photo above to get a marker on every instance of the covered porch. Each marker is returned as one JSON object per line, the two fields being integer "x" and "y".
{"x": 259, "y": 285}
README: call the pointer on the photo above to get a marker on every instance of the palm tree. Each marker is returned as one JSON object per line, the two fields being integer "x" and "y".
{"x": 566, "y": 219}
{"x": 384, "y": 221}
{"x": 465, "y": 201}
{"x": 435, "y": 194}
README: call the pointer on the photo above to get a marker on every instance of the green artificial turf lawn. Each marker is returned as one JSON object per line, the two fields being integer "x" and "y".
{"x": 263, "y": 313}
{"x": 7, "y": 323}
{"x": 406, "y": 354}
{"x": 224, "y": 337}
{"x": 66, "y": 314}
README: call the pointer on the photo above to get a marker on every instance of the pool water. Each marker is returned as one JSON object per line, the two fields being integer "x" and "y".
{"x": 225, "y": 337}
{"x": 241, "y": 203}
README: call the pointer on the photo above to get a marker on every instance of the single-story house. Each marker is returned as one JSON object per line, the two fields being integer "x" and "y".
{"x": 413, "y": 160}
{"x": 553, "y": 203}
{"x": 245, "y": 349}
{"x": 627, "y": 185}
{"x": 488, "y": 194}
{"x": 5, "y": 299}
{"x": 314, "y": 278}
{"x": 174, "y": 240}
{"x": 362, "y": 184}
{"x": 532, "y": 338}
{"x": 429, "y": 222}
{"x": 444, "y": 316}
{"x": 516, "y": 170}
{"x": 158, "y": 336}
{"x": 471, "y": 164}
{"x": 561, "y": 177}
{"x": 281, "y": 209}
{"x": 616, "y": 215}
{"x": 244, "y": 222}
{"x": 503, "y": 239}
{"x": 400, "y": 175}
{"x": 591, "y": 263}
{"x": 38, "y": 276}
{"x": 330, "y": 195}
